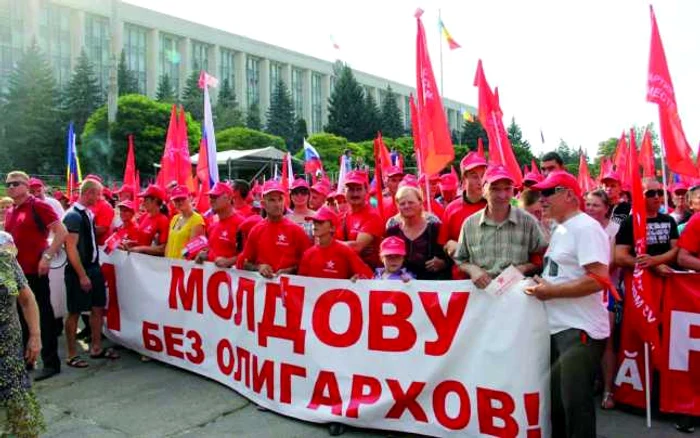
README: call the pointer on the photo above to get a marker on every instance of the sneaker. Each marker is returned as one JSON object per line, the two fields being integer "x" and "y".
{"x": 45, "y": 373}
{"x": 335, "y": 429}
{"x": 685, "y": 424}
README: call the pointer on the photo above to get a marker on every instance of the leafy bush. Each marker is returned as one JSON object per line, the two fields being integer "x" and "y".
{"x": 240, "y": 138}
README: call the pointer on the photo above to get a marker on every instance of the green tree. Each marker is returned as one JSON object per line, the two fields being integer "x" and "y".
{"x": 240, "y": 138}
{"x": 193, "y": 97}
{"x": 472, "y": 132}
{"x": 83, "y": 94}
{"x": 227, "y": 114}
{"x": 373, "y": 118}
{"x": 521, "y": 147}
{"x": 392, "y": 124}
{"x": 252, "y": 118}
{"x": 147, "y": 120}
{"x": 165, "y": 92}
{"x": 280, "y": 116}
{"x": 346, "y": 107}
{"x": 32, "y": 136}
{"x": 300, "y": 133}
{"x": 126, "y": 79}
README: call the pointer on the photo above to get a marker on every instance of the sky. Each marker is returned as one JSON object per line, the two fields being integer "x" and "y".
{"x": 574, "y": 70}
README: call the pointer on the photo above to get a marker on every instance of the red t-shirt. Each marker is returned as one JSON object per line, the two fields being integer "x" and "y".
{"x": 31, "y": 242}
{"x": 104, "y": 216}
{"x": 278, "y": 244}
{"x": 334, "y": 261}
{"x": 390, "y": 208}
{"x": 222, "y": 237}
{"x": 454, "y": 216}
{"x": 153, "y": 227}
{"x": 436, "y": 208}
{"x": 245, "y": 211}
{"x": 689, "y": 239}
{"x": 367, "y": 221}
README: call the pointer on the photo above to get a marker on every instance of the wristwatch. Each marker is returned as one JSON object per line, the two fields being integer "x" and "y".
{"x": 47, "y": 256}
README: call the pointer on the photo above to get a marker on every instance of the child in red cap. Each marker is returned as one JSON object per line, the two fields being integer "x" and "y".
{"x": 392, "y": 251}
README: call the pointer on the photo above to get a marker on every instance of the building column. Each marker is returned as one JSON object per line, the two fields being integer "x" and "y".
{"x": 31, "y": 20}
{"x": 240, "y": 61}
{"x": 185, "y": 49}
{"x": 325, "y": 95}
{"x": 77, "y": 36}
{"x": 306, "y": 93}
{"x": 214, "y": 55}
{"x": 265, "y": 88}
{"x": 152, "y": 67}
{"x": 375, "y": 94}
{"x": 287, "y": 75}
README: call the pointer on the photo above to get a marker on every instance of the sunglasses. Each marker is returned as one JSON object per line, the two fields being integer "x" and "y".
{"x": 14, "y": 183}
{"x": 546, "y": 193}
{"x": 654, "y": 193}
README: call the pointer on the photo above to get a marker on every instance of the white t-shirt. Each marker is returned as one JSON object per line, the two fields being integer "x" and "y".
{"x": 56, "y": 205}
{"x": 575, "y": 243}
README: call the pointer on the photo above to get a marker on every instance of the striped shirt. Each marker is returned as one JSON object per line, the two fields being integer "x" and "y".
{"x": 493, "y": 246}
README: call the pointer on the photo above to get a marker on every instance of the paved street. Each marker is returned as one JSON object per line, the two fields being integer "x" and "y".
{"x": 130, "y": 398}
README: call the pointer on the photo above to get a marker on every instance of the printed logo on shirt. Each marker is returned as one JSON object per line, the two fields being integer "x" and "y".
{"x": 330, "y": 267}
{"x": 658, "y": 233}
{"x": 282, "y": 240}
{"x": 356, "y": 226}
{"x": 551, "y": 267}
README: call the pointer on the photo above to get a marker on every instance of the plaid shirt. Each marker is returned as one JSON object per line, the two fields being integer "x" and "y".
{"x": 493, "y": 247}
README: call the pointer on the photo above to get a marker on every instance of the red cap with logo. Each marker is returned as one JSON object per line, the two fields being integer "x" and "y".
{"x": 35, "y": 182}
{"x": 448, "y": 182}
{"x": 126, "y": 188}
{"x": 324, "y": 214}
{"x": 179, "y": 192}
{"x": 272, "y": 186}
{"x": 679, "y": 187}
{"x": 127, "y": 204}
{"x": 559, "y": 178}
{"x": 356, "y": 177}
{"x": 471, "y": 161}
{"x": 393, "y": 171}
{"x": 154, "y": 191}
{"x": 409, "y": 181}
{"x": 392, "y": 246}
{"x": 497, "y": 173}
{"x": 611, "y": 176}
{"x": 220, "y": 188}
{"x": 533, "y": 177}
{"x": 322, "y": 188}
{"x": 300, "y": 183}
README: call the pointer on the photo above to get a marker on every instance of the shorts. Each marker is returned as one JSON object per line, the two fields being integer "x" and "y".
{"x": 79, "y": 301}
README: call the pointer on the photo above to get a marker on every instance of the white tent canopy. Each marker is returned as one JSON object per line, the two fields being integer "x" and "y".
{"x": 264, "y": 154}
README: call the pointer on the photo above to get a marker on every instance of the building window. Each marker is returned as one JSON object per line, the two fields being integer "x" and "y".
{"x": 298, "y": 92}
{"x": 135, "y": 52}
{"x": 316, "y": 103}
{"x": 200, "y": 56}
{"x": 406, "y": 113}
{"x": 98, "y": 46}
{"x": 333, "y": 79}
{"x": 382, "y": 97}
{"x": 253, "y": 81}
{"x": 11, "y": 37}
{"x": 228, "y": 67}
{"x": 275, "y": 76}
{"x": 169, "y": 60}
{"x": 54, "y": 40}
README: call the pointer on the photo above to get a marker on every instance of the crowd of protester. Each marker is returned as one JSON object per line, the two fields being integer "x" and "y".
{"x": 574, "y": 245}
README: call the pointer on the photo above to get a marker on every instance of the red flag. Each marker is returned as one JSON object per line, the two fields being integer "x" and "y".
{"x": 436, "y": 141}
{"x": 646, "y": 156}
{"x": 130, "y": 171}
{"x": 480, "y": 148}
{"x": 491, "y": 118}
{"x": 416, "y": 134}
{"x": 184, "y": 165}
{"x": 168, "y": 171}
{"x": 533, "y": 167}
{"x": 384, "y": 156}
{"x": 645, "y": 314}
{"x": 585, "y": 181}
{"x": 620, "y": 159}
{"x": 203, "y": 177}
{"x": 606, "y": 166}
{"x": 660, "y": 91}
{"x": 379, "y": 171}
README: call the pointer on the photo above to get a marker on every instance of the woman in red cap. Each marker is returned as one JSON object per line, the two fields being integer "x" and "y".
{"x": 153, "y": 225}
{"x": 300, "y": 213}
{"x": 128, "y": 230}
{"x": 330, "y": 258}
{"x": 184, "y": 226}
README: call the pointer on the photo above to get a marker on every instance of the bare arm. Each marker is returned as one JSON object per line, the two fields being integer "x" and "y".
{"x": 30, "y": 311}
{"x": 59, "y": 236}
{"x": 579, "y": 287}
{"x": 362, "y": 241}
{"x": 623, "y": 256}
{"x": 688, "y": 260}
{"x": 155, "y": 250}
{"x": 73, "y": 256}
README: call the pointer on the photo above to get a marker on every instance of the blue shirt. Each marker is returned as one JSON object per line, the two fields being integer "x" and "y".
{"x": 395, "y": 276}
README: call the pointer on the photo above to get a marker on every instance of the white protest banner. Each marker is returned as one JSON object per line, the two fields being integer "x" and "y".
{"x": 436, "y": 358}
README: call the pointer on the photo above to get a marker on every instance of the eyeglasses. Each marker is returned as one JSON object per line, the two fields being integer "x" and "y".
{"x": 14, "y": 183}
{"x": 546, "y": 193}
{"x": 654, "y": 193}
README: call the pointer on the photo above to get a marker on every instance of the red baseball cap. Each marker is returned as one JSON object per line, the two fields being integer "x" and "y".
{"x": 533, "y": 177}
{"x": 471, "y": 161}
{"x": 93, "y": 177}
{"x": 409, "y": 181}
{"x": 220, "y": 188}
{"x": 179, "y": 192}
{"x": 612, "y": 175}
{"x": 57, "y": 194}
{"x": 300, "y": 183}
{"x": 154, "y": 191}
{"x": 33, "y": 182}
{"x": 321, "y": 188}
{"x": 394, "y": 170}
{"x": 126, "y": 188}
{"x": 392, "y": 246}
{"x": 448, "y": 182}
{"x": 559, "y": 178}
{"x": 106, "y": 192}
{"x": 127, "y": 204}
{"x": 324, "y": 214}
{"x": 356, "y": 177}
{"x": 679, "y": 187}
{"x": 497, "y": 173}
{"x": 272, "y": 186}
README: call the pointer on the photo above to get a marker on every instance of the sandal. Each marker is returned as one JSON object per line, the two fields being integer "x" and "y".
{"x": 608, "y": 401}
{"x": 77, "y": 362}
{"x": 106, "y": 353}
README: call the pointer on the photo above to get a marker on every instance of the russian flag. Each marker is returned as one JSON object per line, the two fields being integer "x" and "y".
{"x": 312, "y": 159}
{"x": 208, "y": 136}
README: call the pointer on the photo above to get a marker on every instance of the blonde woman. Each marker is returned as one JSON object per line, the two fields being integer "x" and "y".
{"x": 5, "y": 204}
{"x": 184, "y": 226}
{"x": 425, "y": 258}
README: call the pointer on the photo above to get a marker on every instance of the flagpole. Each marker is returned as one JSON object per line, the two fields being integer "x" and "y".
{"x": 442, "y": 89}
{"x": 663, "y": 178}
{"x": 647, "y": 389}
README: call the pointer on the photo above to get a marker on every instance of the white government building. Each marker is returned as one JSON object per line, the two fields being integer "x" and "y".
{"x": 156, "y": 44}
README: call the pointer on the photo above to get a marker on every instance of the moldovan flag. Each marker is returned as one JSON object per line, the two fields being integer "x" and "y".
{"x": 660, "y": 91}
{"x": 450, "y": 41}
{"x": 436, "y": 142}
{"x": 73, "y": 176}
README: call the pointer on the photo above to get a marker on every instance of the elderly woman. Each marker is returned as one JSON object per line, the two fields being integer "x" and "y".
{"x": 24, "y": 416}
{"x": 425, "y": 258}
{"x": 5, "y": 204}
